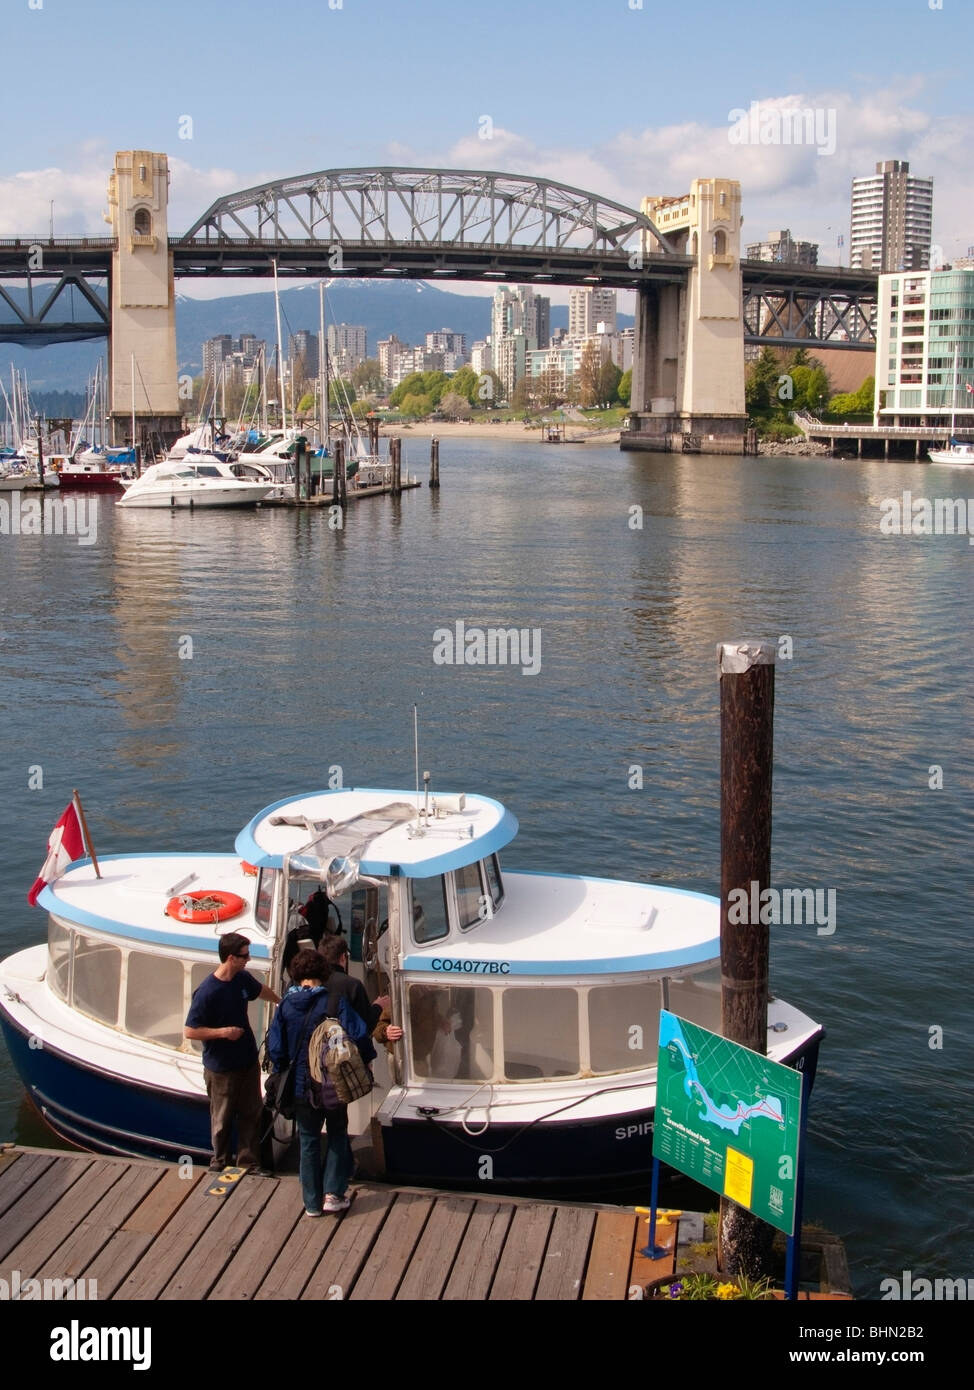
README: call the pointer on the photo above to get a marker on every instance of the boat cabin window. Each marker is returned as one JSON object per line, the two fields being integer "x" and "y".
{"x": 430, "y": 919}
{"x": 451, "y": 1032}
{"x": 207, "y": 470}
{"x": 59, "y": 959}
{"x": 479, "y": 891}
{"x": 471, "y": 900}
{"x": 264, "y": 899}
{"x": 623, "y": 1026}
{"x": 540, "y": 1033}
{"x": 154, "y": 997}
{"x": 97, "y": 975}
{"x": 527, "y": 1033}
{"x": 143, "y": 993}
{"x": 696, "y": 997}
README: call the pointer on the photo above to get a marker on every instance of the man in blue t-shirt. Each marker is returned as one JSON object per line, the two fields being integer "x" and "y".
{"x": 218, "y": 1019}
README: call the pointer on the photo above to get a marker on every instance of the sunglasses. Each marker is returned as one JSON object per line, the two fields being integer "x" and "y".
{"x": 241, "y": 955}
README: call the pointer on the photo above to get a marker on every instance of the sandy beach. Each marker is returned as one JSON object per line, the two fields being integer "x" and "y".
{"x": 507, "y": 429}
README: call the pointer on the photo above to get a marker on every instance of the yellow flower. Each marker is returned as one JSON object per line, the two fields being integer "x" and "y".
{"x": 727, "y": 1291}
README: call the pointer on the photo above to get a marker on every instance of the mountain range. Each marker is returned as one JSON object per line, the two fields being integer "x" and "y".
{"x": 408, "y": 308}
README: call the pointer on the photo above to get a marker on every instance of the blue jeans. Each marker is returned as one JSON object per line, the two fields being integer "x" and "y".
{"x": 333, "y": 1175}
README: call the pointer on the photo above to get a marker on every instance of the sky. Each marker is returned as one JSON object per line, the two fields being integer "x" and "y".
{"x": 621, "y": 97}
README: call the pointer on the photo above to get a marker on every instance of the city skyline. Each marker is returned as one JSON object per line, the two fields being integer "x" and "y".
{"x": 904, "y": 98}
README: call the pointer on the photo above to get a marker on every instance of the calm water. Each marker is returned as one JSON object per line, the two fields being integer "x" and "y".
{"x": 309, "y": 647}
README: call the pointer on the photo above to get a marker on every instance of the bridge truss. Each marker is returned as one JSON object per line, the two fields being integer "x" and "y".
{"x": 794, "y": 306}
{"x": 64, "y": 298}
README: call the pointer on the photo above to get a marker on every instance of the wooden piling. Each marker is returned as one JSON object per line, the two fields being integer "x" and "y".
{"x": 746, "y": 758}
{"x": 40, "y": 453}
{"x": 397, "y": 468}
{"x": 338, "y": 480}
{"x": 434, "y": 463}
{"x": 302, "y": 489}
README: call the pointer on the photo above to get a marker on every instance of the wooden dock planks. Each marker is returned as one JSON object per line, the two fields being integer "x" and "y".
{"x": 149, "y": 1231}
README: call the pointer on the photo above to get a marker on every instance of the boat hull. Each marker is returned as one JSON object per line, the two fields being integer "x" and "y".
{"x": 574, "y": 1156}
{"x": 214, "y": 497}
{"x": 107, "y": 1113}
{"x": 93, "y": 481}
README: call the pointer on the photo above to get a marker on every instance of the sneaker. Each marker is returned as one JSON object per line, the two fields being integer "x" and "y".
{"x": 216, "y": 1167}
{"x": 333, "y": 1203}
{"x": 313, "y": 1214}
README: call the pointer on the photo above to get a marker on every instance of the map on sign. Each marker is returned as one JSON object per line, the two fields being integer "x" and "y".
{"x": 728, "y": 1118}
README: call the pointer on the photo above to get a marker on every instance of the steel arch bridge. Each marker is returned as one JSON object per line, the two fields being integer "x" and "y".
{"x": 469, "y": 224}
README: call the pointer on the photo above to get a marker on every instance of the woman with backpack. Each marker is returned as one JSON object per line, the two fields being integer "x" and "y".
{"x": 313, "y": 997}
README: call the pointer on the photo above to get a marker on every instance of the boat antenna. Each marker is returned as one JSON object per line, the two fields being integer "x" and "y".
{"x": 416, "y": 750}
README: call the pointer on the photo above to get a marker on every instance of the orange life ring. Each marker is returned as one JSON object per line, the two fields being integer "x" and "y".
{"x": 248, "y": 868}
{"x": 209, "y": 906}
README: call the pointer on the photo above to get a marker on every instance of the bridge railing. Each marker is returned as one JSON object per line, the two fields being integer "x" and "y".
{"x": 93, "y": 243}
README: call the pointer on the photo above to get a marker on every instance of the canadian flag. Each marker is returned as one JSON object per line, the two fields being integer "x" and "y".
{"x": 66, "y": 843}
{"x": 970, "y": 389}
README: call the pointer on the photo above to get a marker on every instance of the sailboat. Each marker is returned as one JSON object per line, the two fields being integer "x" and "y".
{"x": 959, "y": 451}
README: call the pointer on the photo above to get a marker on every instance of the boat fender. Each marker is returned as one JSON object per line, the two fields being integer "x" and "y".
{"x": 207, "y": 905}
{"x": 249, "y": 869}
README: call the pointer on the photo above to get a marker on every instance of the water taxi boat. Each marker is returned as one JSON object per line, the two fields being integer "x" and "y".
{"x": 530, "y": 1001}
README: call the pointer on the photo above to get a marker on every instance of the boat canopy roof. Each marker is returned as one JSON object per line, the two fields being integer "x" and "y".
{"x": 459, "y": 830}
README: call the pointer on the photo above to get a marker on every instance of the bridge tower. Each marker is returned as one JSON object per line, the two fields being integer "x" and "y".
{"x": 143, "y": 320}
{"x": 688, "y": 377}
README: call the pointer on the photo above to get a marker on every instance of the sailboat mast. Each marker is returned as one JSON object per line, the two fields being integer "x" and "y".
{"x": 323, "y": 364}
{"x": 280, "y": 353}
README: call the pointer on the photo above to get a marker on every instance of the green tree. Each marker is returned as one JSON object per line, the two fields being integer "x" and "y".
{"x": 361, "y": 409}
{"x": 588, "y": 376}
{"x": 415, "y": 405}
{"x": 624, "y": 389}
{"x": 761, "y": 384}
{"x": 490, "y": 391}
{"x": 306, "y": 403}
{"x": 367, "y": 376}
{"x": 607, "y": 382}
{"x": 338, "y": 392}
{"x": 464, "y": 383}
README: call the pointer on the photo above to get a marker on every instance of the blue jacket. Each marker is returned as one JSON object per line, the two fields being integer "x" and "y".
{"x": 291, "y": 1019}
{"x": 299, "y": 1013}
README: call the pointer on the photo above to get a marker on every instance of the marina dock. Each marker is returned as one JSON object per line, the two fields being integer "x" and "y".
{"x": 134, "y": 1229}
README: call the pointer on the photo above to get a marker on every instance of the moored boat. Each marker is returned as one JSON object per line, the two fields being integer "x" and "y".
{"x": 197, "y": 480}
{"x": 530, "y": 1002}
{"x": 958, "y": 452}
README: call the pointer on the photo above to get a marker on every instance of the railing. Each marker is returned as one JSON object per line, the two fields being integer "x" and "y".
{"x": 92, "y": 243}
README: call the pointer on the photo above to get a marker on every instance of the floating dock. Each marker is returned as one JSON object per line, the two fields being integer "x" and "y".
{"x": 134, "y": 1229}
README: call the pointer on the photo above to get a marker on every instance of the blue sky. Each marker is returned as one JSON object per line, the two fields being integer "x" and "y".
{"x": 626, "y": 101}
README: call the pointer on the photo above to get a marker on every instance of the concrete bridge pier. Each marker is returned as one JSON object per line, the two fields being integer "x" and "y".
{"x": 688, "y": 377}
{"x": 143, "y": 315}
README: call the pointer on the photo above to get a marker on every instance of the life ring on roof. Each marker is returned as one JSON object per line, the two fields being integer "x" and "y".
{"x": 206, "y": 906}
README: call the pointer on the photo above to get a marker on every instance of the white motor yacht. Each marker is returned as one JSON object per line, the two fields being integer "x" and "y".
{"x": 200, "y": 480}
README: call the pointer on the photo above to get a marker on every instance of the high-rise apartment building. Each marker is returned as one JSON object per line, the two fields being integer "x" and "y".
{"x": 782, "y": 247}
{"x": 446, "y": 341}
{"x": 589, "y": 306}
{"x": 346, "y": 346}
{"x": 302, "y": 353}
{"x": 925, "y": 349}
{"x": 892, "y": 220}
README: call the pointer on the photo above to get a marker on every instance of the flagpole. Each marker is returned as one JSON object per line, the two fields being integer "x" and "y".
{"x": 84, "y": 830}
